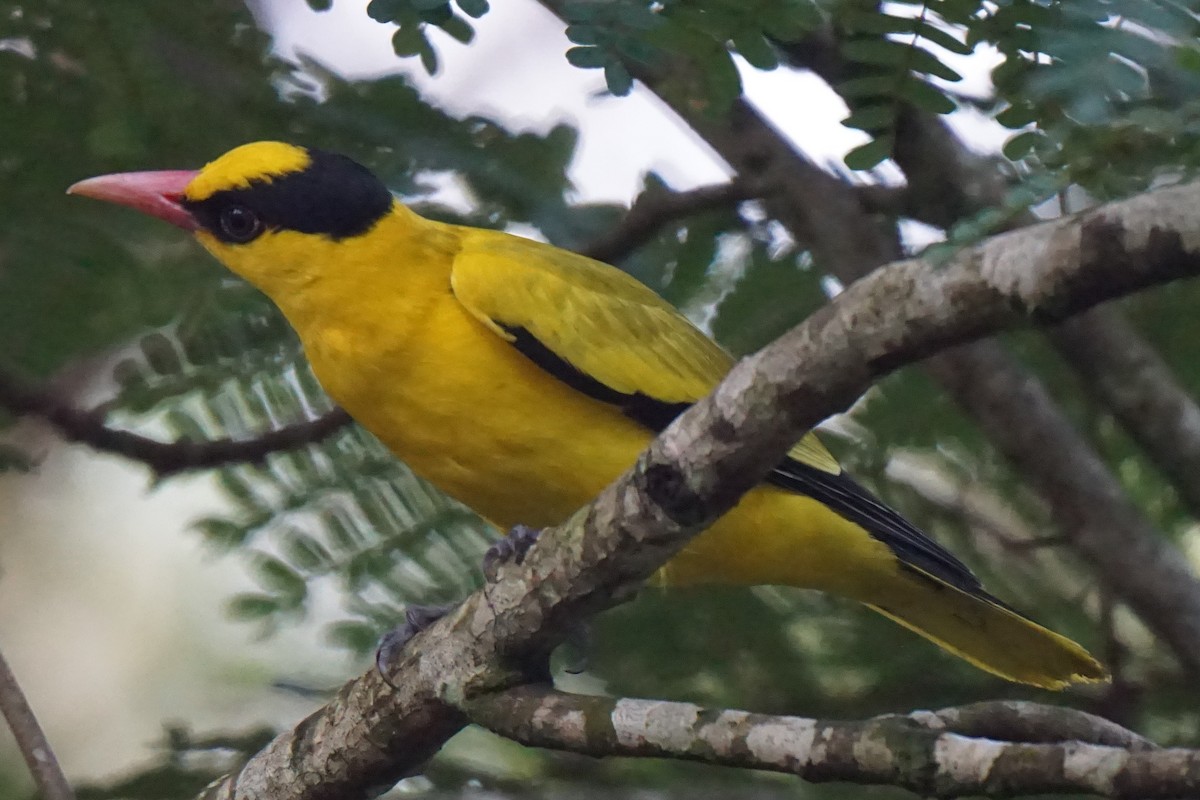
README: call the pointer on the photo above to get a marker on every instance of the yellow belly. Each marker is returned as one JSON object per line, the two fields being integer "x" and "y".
{"x": 474, "y": 417}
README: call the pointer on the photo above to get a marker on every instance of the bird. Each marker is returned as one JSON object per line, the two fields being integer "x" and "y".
{"x": 521, "y": 379}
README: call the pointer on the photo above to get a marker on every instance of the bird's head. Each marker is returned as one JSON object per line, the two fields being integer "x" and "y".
{"x": 271, "y": 212}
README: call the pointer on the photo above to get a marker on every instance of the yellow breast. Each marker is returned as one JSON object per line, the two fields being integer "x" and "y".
{"x": 472, "y": 415}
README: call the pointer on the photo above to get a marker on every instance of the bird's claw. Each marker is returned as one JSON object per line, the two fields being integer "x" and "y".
{"x": 416, "y": 619}
{"x": 511, "y": 549}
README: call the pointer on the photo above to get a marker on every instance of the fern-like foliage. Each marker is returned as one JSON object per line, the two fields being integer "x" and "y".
{"x": 414, "y": 17}
{"x": 1090, "y": 84}
{"x": 339, "y": 527}
{"x": 893, "y": 63}
{"x": 1080, "y": 83}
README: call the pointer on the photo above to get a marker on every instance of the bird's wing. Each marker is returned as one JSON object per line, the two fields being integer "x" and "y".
{"x": 592, "y": 318}
{"x": 610, "y": 337}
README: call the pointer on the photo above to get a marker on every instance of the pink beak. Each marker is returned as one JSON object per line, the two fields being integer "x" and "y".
{"x": 156, "y": 193}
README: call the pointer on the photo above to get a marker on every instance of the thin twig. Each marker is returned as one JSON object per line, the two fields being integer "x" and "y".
{"x": 1053, "y": 750}
{"x": 164, "y": 458}
{"x": 35, "y": 748}
{"x": 655, "y": 208}
{"x": 1034, "y": 723}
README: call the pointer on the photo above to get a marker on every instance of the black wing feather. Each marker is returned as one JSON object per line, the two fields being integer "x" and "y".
{"x": 645, "y": 410}
{"x": 853, "y": 501}
{"x": 840, "y": 492}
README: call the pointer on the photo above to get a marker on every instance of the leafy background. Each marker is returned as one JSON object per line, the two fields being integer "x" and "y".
{"x": 337, "y": 537}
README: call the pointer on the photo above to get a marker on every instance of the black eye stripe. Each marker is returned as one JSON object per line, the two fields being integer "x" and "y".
{"x": 334, "y": 196}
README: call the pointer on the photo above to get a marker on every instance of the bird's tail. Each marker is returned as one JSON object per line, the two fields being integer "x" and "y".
{"x": 985, "y": 632}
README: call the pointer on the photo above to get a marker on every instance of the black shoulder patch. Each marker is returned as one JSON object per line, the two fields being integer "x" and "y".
{"x": 334, "y": 196}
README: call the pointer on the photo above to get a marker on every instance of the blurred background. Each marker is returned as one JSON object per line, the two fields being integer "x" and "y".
{"x": 163, "y": 625}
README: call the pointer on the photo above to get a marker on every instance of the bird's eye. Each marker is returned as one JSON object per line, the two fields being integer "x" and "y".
{"x": 239, "y": 224}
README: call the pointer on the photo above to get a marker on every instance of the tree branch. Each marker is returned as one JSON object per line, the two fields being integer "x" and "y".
{"x": 31, "y": 740}
{"x": 1034, "y": 723}
{"x": 920, "y": 752}
{"x": 164, "y": 458}
{"x": 656, "y": 207}
{"x": 372, "y": 734}
{"x": 1126, "y": 374}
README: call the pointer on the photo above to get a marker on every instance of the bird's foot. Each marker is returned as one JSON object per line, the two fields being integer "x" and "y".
{"x": 416, "y": 619}
{"x": 511, "y": 549}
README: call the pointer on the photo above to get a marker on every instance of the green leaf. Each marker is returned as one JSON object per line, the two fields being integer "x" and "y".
{"x": 943, "y": 39}
{"x": 583, "y": 10}
{"x": 253, "y": 607}
{"x": 619, "y": 81}
{"x": 458, "y": 29}
{"x": 926, "y": 97}
{"x": 584, "y": 34}
{"x": 474, "y": 8}
{"x": 638, "y": 50}
{"x": 436, "y": 15}
{"x": 871, "y": 118}
{"x": 871, "y": 154}
{"x": 959, "y": 12}
{"x": 428, "y": 5}
{"x": 305, "y": 553}
{"x": 238, "y": 488}
{"x": 926, "y": 62}
{"x": 855, "y": 20}
{"x": 408, "y": 40}
{"x": 861, "y": 20}
{"x": 882, "y": 52}
{"x": 320, "y": 5}
{"x": 757, "y": 51}
{"x": 587, "y": 57}
{"x": 1017, "y": 116}
{"x": 386, "y": 10}
{"x": 1022, "y": 144}
{"x": 722, "y": 83}
{"x": 790, "y": 21}
{"x": 358, "y": 637}
{"x": 161, "y": 354}
{"x": 276, "y": 575}
{"x": 222, "y": 533}
{"x": 637, "y": 16}
{"x": 886, "y": 53}
{"x": 868, "y": 86}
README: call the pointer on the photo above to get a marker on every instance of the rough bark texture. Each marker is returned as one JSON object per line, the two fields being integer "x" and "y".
{"x": 371, "y": 734}
{"x": 921, "y": 751}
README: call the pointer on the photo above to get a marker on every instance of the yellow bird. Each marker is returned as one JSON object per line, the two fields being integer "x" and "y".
{"x": 522, "y": 379}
